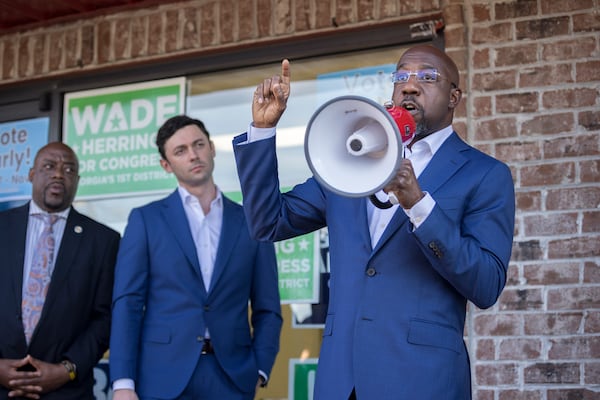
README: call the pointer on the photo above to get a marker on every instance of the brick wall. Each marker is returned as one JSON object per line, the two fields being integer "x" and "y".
{"x": 531, "y": 75}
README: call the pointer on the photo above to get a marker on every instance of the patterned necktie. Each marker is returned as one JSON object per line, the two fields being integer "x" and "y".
{"x": 36, "y": 288}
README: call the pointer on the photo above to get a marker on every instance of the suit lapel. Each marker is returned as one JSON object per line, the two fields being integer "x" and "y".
{"x": 230, "y": 231}
{"x": 75, "y": 230}
{"x": 15, "y": 238}
{"x": 176, "y": 219}
{"x": 444, "y": 164}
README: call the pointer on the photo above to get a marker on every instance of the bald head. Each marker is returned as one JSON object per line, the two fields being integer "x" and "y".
{"x": 434, "y": 56}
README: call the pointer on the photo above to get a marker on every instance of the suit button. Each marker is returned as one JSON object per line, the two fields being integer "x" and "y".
{"x": 371, "y": 271}
{"x": 207, "y": 308}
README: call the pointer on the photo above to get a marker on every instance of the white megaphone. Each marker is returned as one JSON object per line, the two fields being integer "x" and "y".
{"x": 354, "y": 146}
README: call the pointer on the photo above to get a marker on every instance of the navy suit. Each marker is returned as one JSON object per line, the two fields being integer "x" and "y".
{"x": 161, "y": 308}
{"x": 396, "y": 315}
{"x": 75, "y": 320}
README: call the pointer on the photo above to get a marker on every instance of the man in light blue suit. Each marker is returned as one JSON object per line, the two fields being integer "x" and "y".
{"x": 185, "y": 273}
{"x": 400, "y": 277}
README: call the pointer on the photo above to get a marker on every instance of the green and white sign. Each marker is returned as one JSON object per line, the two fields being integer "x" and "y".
{"x": 301, "y": 379}
{"x": 298, "y": 267}
{"x": 113, "y": 132}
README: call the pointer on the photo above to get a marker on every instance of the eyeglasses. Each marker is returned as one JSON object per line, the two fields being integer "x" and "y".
{"x": 427, "y": 75}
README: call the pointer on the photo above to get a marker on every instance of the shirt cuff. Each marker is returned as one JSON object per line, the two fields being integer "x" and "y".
{"x": 265, "y": 377}
{"x": 256, "y": 134}
{"x": 124, "y": 383}
{"x": 421, "y": 210}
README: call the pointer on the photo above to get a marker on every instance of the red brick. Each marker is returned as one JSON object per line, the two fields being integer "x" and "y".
{"x": 171, "y": 32}
{"x": 588, "y": 71}
{"x": 323, "y": 16}
{"x": 552, "y": 273}
{"x": 71, "y": 48}
{"x": 542, "y": 28}
{"x": 548, "y": 174}
{"x": 39, "y": 54}
{"x": 88, "y": 38}
{"x": 570, "y": 98}
{"x": 454, "y": 14}
{"x": 548, "y": 124}
{"x": 547, "y": 75}
{"x": 499, "y": 128}
{"x": 554, "y": 324}
{"x": 486, "y": 349}
{"x": 517, "y": 103}
{"x": 104, "y": 42}
{"x": 526, "y": 250}
{"x": 344, "y": 12}
{"x": 573, "y": 298}
{"x": 190, "y": 30}
{"x": 516, "y": 55}
{"x": 574, "y": 247}
{"x": 573, "y": 198}
{"x": 566, "y": 6}
{"x": 227, "y": 20}
{"x": 483, "y": 394}
{"x": 492, "y": 34}
{"x": 572, "y": 146}
{"x": 155, "y": 34}
{"x": 122, "y": 41}
{"x": 513, "y": 274}
{"x": 591, "y": 220}
{"x": 283, "y": 23}
{"x": 481, "y": 12}
{"x": 572, "y": 394}
{"x": 568, "y": 49}
{"x": 481, "y": 58}
{"x": 497, "y": 324}
{"x": 264, "y": 17}
{"x": 545, "y": 373}
{"x": 365, "y": 10}
{"x": 514, "y": 394}
{"x": 590, "y": 120}
{"x": 139, "y": 36}
{"x": 591, "y": 373}
{"x": 592, "y": 322}
{"x": 497, "y": 80}
{"x": 518, "y": 151}
{"x": 388, "y": 8}
{"x": 455, "y": 35}
{"x": 55, "y": 56}
{"x": 591, "y": 272}
{"x": 519, "y": 349}
{"x": 575, "y": 347}
{"x": 25, "y": 59}
{"x": 521, "y": 299}
{"x": 511, "y": 10}
{"x": 587, "y": 22}
{"x": 496, "y": 374}
{"x": 530, "y": 200}
{"x": 247, "y": 18}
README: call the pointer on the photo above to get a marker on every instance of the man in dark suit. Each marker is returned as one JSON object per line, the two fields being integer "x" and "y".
{"x": 186, "y": 271}
{"x": 400, "y": 277}
{"x": 55, "y": 357}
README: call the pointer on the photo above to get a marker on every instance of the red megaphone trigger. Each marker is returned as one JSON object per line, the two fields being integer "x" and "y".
{"x": 404, "y": 120}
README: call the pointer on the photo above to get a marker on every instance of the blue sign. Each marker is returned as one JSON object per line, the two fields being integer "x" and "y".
{"x": 19, "y": 143}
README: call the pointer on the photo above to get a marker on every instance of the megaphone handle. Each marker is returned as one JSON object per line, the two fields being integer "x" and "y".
{"x": 381, "y": 204}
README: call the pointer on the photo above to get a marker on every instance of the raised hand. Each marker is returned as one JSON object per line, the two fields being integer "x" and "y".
{"x": 270, "y": 98}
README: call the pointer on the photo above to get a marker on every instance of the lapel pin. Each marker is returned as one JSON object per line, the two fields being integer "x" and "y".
{"x": 78, "y": 229}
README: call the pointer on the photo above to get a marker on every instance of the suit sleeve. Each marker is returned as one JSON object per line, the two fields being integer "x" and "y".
{"x": 91, "y": 344}
{"x": 266, "y": 309}
{"x": 472, "y": 254}
{"x": 129, "y": 294}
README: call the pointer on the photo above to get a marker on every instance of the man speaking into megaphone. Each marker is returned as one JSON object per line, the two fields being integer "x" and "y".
{"x": 401, "y": 276}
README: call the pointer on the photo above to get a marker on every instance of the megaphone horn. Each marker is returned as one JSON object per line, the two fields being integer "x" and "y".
{"x": 354, "y": 146}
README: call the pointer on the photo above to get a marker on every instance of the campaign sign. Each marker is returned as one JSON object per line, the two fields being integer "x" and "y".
{"x": 113, "y": 132}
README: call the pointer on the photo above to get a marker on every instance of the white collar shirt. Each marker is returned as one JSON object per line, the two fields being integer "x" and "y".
{"x": 205, "y": 229}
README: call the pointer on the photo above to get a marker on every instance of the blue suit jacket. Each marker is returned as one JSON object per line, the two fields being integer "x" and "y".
{"x": 394, "y": 328}
{"x": 75, "y": 320}
{"x": 161, "y": 309}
